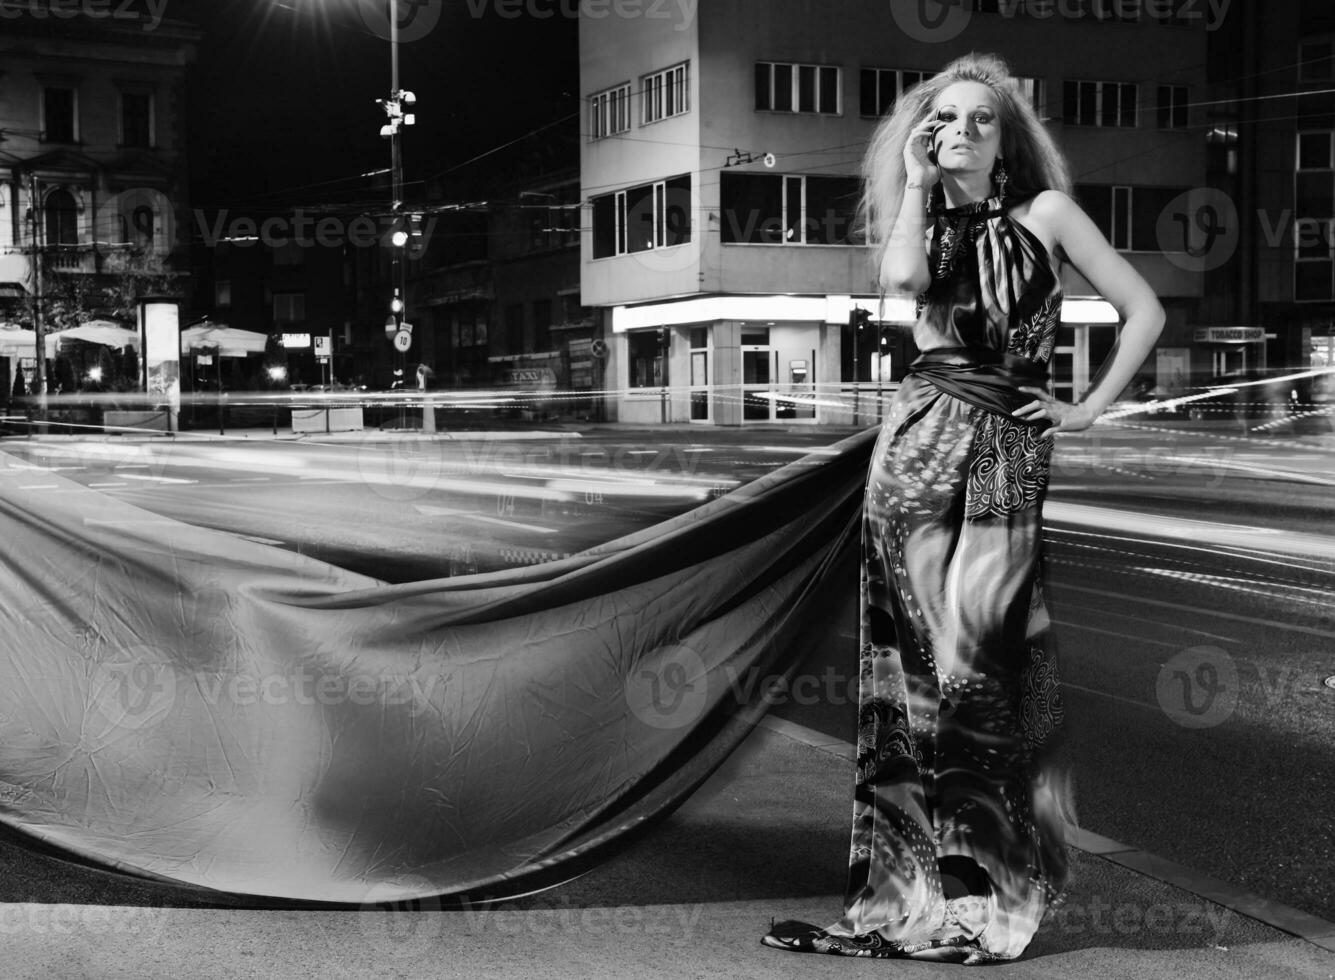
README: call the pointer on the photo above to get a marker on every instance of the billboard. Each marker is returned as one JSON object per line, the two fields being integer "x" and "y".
{"x": 160, "y": 340}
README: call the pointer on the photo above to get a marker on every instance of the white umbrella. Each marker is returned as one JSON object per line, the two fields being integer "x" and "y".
{"x": 102, "y": 332}
{"x": 18, "y": 341}
{"x": 230, "y": 341}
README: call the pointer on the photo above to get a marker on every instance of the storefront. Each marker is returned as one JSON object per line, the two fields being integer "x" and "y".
{"x": 1231, "y": 350}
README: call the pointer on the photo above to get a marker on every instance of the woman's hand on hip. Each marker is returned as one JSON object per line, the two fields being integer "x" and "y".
{"x": 1065, "y": 416}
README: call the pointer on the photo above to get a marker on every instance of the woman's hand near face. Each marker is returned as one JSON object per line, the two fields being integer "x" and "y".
{"x": 918, "y": 166}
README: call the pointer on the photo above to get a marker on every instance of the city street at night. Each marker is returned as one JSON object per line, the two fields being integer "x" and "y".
{"x": 644, "y": 489}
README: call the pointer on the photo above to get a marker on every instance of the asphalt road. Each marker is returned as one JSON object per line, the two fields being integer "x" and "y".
{"x": 1190, "y": 581}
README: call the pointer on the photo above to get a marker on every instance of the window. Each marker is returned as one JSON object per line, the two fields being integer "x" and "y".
{"x": 1314, "y": 203}
{"x": 222, "y": 292}
{"x": 769, "y": 209}
{"x": 514, "y": 328}
{"x": 664, "y": 94}
{"x": 1316, "y": 60}
{"x": 1099, "y": 103}
{"x": 289, "y": 253}
{"x": 648, "y": 360}
{"x": 641, "y": 218}
{"x": 1314, "y": 151}
{"x": 1172, "y": 108}
{"x": 289, "y": 307}
{"x": 59, "y": 115}
{"x": 62, "y": 218}
{"x": 797, "y": 88}
{"x": 609, "y": 112}
{"x": 542, "y": 324}
{"x": 136, "y": 119}
{"x": 880, "y": 87}
{"x": 1128, "y": 216}
{"x": 553, "y": 222}
{"x": 1035, "y": 91}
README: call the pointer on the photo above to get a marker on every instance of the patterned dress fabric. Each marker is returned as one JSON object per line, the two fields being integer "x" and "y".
{"x": 960, "y": 711}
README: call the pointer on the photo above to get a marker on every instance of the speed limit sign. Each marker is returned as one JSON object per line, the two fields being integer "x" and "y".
{"x": 402, "y": 341}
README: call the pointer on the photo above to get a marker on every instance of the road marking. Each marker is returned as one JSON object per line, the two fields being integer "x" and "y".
{"x": 1107, "y": 612}
{"x": 1188, "y": 529}
{"x": 1120, "y": 636}
{"x": 157, "y": 479}
{"x": 41, "y": 486}
{"x": 1268, "y": 912}
{"x": 431, "y": 511}
{"x": 1180, "y": 607}
{"x": 99, "y": 486}
{"x": 249, "y": 479}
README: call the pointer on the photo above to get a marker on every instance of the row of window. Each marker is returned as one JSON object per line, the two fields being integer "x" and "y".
{"x": 662, "y": 94}
{"x": 1313, "y": 228}
{"x": 59, "y": 117}
{"x": 817, "y": 89}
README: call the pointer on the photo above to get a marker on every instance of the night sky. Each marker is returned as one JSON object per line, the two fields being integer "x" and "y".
{"x": 281, "y": 99}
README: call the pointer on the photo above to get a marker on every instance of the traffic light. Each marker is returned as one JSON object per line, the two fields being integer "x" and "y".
{"x": 664, "y": 338}
{"x": 858, "y": 318}
{"x": 395, "y": 107}
{"x": 886, "y": 340}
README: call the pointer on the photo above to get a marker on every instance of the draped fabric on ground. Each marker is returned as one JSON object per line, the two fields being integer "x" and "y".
{"x": 186, "y": 704}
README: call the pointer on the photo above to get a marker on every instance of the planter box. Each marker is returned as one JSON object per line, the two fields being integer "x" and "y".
{"x": 344, "y": 418}
{"x": 115, "y": 422}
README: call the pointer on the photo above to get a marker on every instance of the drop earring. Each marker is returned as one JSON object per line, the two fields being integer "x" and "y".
{"x": 1001, "y": 176}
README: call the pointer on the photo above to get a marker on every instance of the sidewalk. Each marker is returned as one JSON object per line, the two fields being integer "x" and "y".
{"x": 766, "y": 837}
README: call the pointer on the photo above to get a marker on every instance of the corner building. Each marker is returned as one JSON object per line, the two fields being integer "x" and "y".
{"x": 719, "y": 161}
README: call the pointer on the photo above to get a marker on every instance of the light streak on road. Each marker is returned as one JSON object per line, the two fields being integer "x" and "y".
{"x": 1186, "y": 529}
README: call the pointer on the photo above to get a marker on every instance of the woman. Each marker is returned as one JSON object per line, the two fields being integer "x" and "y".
{"x": 961, "y": 802}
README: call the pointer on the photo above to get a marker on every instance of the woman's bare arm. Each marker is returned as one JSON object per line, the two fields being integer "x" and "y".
{"x": 1128, "y": 292}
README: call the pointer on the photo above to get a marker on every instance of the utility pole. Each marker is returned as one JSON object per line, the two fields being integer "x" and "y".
{"x": 38, "y": 322}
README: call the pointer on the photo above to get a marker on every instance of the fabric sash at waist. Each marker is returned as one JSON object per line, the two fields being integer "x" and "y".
{"x": 986, "y": 378}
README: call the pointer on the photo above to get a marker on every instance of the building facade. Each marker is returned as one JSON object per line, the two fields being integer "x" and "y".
{"x": 719, "y": 171}
{"x": 93, "y": 189}
{"x": 1271, "y": 133}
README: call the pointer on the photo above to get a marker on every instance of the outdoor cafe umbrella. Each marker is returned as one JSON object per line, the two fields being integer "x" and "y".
{"x": 104, "y": 332}
{"x": 230, "y": 341}
{"x": 17, "y": 341}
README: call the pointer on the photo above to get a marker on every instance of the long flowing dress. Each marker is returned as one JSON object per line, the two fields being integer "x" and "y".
{"x": 959, "y": 708}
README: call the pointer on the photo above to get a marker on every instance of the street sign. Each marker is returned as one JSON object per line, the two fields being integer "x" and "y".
{"x": 204, "y": 359}
{"x": 402, "y": 341}
{"x": 322, "y": 345}
{"x": 391, "y": 327}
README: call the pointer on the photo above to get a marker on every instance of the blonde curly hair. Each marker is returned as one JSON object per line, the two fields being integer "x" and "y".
{"x": 1033, "y": 160}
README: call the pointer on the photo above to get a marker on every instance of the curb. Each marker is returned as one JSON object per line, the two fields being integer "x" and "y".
{"x": 1277, "y": 915}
